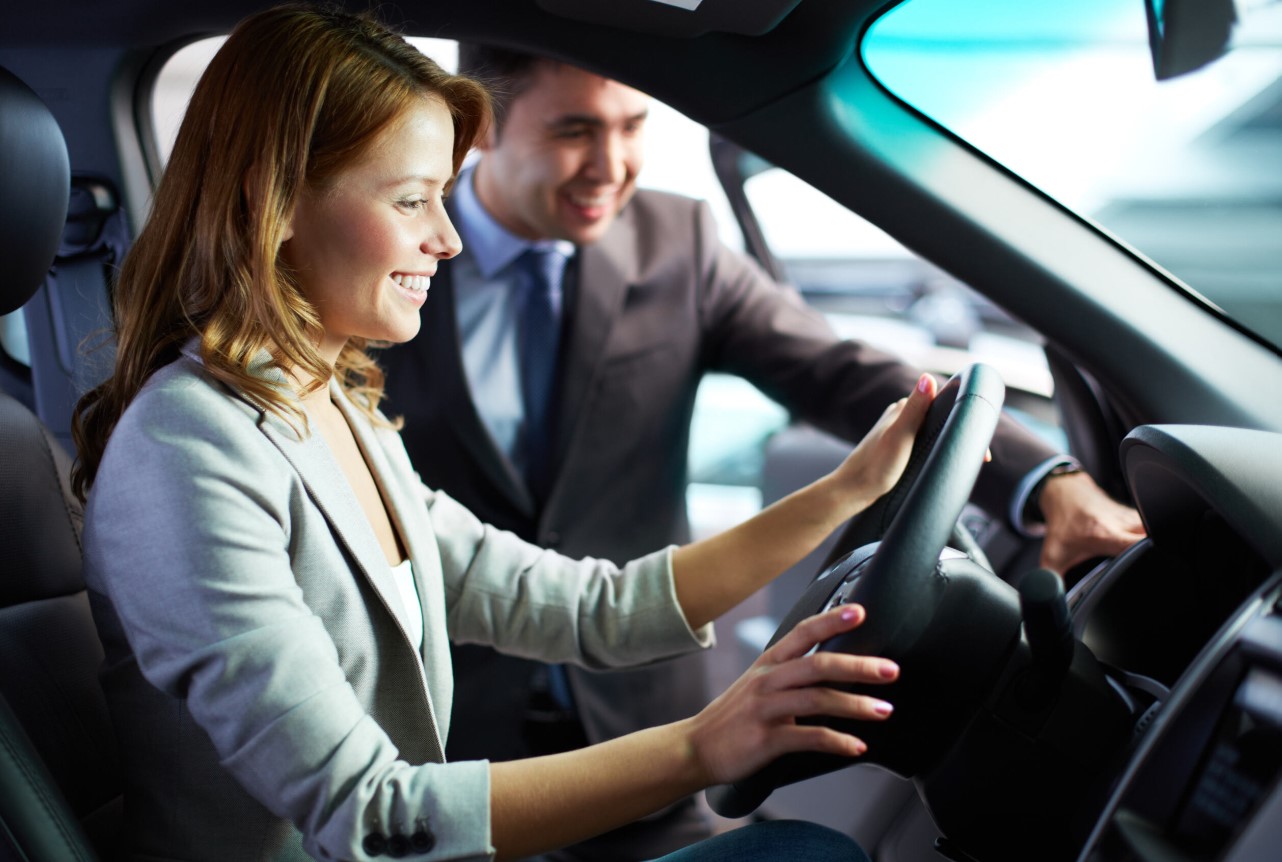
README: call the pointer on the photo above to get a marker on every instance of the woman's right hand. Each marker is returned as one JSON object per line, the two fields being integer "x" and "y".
{"x": 545, "y": 802}
{"x": 754, "y": 721}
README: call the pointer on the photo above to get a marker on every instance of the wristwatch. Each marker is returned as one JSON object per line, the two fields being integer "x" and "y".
{"x": 1033, "y": 507}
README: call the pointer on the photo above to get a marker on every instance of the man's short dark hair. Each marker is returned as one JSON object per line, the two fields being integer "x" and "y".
{"x": 505, "y": 72}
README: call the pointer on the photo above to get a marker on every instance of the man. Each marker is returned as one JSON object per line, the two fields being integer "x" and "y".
{"x": 643, "y": 300}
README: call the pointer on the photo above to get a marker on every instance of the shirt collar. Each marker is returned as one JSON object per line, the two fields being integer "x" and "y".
{"x": 491, "y": 245}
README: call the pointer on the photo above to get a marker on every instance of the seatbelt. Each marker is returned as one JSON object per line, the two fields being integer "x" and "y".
{"x": 69, "y": 321}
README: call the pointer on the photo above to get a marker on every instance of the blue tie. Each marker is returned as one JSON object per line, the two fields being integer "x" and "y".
{"x": 539, "y": 335}
{"x": 542, "y": 269}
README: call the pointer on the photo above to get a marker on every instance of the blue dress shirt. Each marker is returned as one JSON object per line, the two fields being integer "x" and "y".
{"x": 486, "y": 287}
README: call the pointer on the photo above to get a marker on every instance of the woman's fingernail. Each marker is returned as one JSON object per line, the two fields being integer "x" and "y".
{"x": 923, "y": 383}
{"x": 850, "y": 612}
{"x": 882, "y": 708}
{"x": 888, "y": 670}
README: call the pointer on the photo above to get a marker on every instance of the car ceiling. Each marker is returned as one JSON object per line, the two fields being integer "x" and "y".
{"x": 653, "y": 45}
{"x": 937, "y": 196}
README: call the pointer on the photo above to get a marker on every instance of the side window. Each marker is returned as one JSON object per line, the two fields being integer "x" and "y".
{"x": 873, "y": 289}
{"x": 177, "y": 78}
{"x": 171, "y": 93}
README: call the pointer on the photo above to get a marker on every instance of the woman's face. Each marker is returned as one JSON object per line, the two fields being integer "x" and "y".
{"x": 364, "y": 248}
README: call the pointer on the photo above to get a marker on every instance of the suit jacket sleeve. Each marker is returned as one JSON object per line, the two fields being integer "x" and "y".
{"x": 767, "y": 334}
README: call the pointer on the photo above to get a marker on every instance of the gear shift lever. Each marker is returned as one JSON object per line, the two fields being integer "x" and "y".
{"x": 1047, "y": 627}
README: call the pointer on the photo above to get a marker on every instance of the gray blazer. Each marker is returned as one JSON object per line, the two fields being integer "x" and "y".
{"x": 268, "y": 700}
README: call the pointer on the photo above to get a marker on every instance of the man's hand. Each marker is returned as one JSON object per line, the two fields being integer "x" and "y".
{"x": 1083, "y": 522}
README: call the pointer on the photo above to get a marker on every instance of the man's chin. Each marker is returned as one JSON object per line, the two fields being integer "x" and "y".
{"x": 583, "y": 226}
{"x": 587, "y": 233}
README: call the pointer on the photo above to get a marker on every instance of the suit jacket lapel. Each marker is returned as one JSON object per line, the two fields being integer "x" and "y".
{"x": 325, "y": 483}
{"x": 604, "y": 271}
{"x": 405, "y": 511}
{"x": 332, "y": 494}
{"x": 408, "y": 516}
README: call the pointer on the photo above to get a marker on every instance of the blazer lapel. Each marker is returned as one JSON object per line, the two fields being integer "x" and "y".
{"x": 325, "y": 483}
{"x": 408, "y": 516}
{"x": 332, "y": 494}
{"x": 405, "y": 510}
{"x": 443, "y": 346}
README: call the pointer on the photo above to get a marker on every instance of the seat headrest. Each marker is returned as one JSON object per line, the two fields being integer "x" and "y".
{"x": 35, "y": 183}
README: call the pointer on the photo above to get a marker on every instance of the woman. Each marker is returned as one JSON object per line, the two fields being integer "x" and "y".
{"x": 273, "y": 586}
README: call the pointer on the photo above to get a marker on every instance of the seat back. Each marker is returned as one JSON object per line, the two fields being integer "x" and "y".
{"x": 59, "y": 771}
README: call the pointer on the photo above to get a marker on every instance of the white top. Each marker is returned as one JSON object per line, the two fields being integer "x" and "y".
{"x": 403, "y": 574}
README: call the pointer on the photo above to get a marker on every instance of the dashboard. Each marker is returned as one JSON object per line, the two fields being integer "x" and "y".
{"x": 1191, "y": 619}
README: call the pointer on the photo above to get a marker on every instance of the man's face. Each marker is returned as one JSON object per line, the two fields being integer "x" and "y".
{"x": 567, "y": 157}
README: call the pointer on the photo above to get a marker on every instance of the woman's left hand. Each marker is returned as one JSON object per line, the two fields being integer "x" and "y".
{"x": 879, "y": 460}
{"x": 714, "y": 574}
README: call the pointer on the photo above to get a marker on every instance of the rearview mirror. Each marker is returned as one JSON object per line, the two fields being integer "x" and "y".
{"x": 1185, "y": 35}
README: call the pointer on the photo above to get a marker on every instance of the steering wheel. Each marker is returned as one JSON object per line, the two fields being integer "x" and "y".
{"x": 944, "y": 618}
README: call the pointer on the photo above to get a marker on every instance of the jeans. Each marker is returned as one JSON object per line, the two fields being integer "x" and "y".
{"x": 773, "y": 841}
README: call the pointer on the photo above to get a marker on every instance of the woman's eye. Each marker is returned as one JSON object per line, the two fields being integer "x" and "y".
{"x": 412, "y": 203}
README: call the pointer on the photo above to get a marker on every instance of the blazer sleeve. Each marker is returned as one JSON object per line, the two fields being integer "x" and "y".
{"x": 766, "y": 333}
{"x": 188, "y": 532}
{"x": 524, "y": 600}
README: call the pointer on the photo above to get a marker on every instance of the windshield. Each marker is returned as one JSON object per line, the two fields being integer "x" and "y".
{"x": 1187, "y": 170}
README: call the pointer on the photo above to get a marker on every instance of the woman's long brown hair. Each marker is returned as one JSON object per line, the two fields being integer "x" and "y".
{"x": 294, "y": 96}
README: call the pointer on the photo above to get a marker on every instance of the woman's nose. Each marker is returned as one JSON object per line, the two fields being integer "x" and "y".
{"x": 444, "y": 241}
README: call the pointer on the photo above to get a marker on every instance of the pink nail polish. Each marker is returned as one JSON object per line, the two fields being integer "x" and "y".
{"x": 882, "y": 708}
{"x": 849, "y": 613}
{"x": 923, "y": 383}
{"x": 888, "y": 670}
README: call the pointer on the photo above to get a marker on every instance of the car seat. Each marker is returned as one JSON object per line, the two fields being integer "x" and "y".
{"x": 59, "y": 769}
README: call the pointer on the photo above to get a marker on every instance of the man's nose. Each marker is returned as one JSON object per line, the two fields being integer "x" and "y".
{"x": 610, "y": 159}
